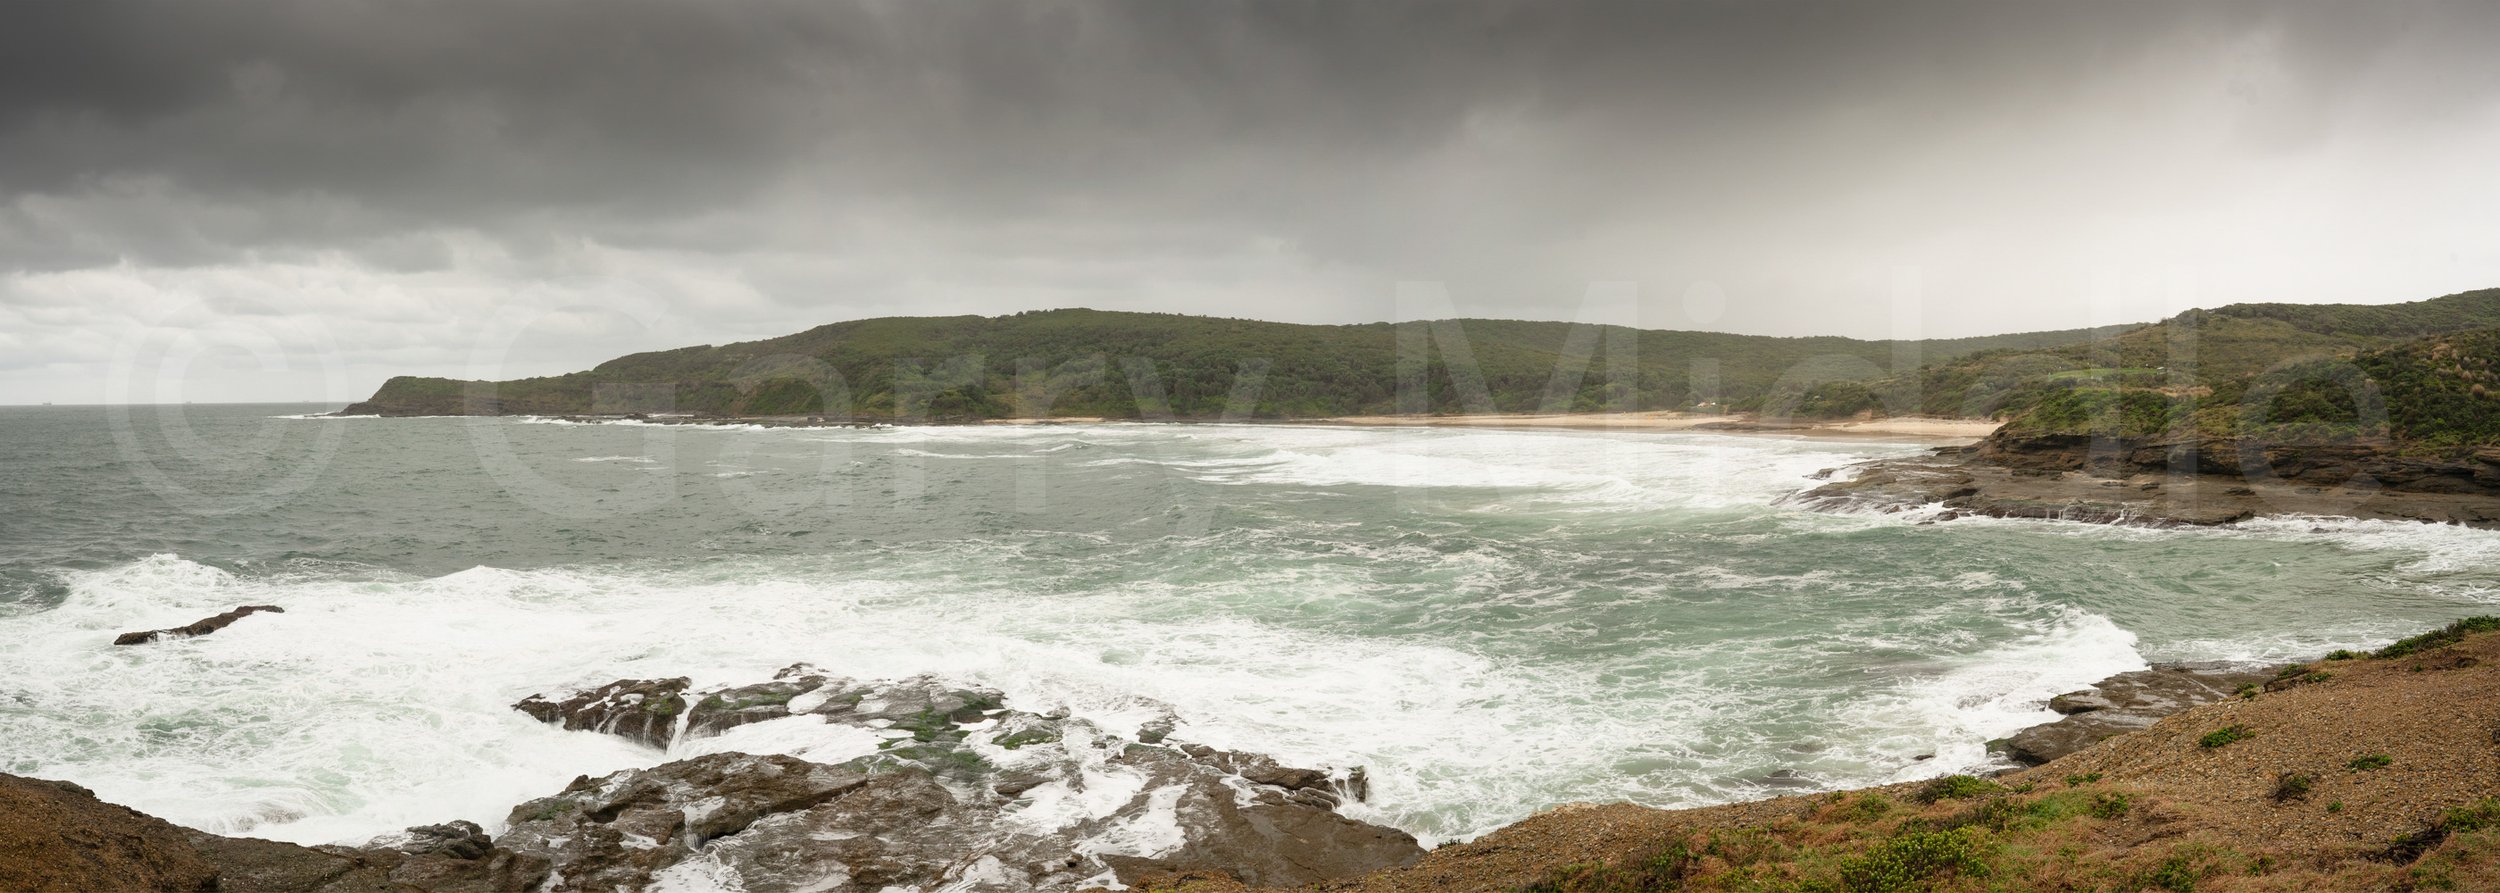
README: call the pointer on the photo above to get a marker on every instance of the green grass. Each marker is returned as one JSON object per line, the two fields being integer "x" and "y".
{"x": 2223, "y": 736}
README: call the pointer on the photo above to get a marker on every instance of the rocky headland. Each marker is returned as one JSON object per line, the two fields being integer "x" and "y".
{"x": 2157, "y": 482}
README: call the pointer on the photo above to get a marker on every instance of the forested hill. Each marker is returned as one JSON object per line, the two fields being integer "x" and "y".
{"x": 1063, "y": 363}
{"x": 2209, "y": 353}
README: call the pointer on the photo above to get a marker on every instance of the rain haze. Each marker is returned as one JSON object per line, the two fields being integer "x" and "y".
{"x": 297, "y": 200}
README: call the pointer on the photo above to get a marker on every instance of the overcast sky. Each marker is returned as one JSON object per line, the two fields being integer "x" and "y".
{"x": 295, "y": 200}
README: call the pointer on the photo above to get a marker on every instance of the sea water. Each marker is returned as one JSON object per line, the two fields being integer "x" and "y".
{"x": 1490, "y": 622}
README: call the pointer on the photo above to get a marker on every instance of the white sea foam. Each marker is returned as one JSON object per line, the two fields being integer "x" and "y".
{"x": 2003, "y": 689}
{"x": 381, "y": 700}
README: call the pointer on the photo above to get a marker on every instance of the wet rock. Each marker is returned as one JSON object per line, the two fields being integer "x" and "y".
{"x": 960, "y": 791}
{"x": 644, "y": 710}
{"x": 2120, "y": 704}
{"x": 57, "y": 836}
{"x": 1273, "y": 837}
{"x": 620, "y": 831}
{"x": 200, "y": 627}
{"x": 2065, "y": 477}
{"x": 456, "y": 839}
{"x": 429, "y": 859}
{"x": 1258, "y": 769}
{"x": 719, "y": 711}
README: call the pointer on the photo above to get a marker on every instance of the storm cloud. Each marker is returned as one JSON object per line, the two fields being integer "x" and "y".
{"x": 293, "y": 200}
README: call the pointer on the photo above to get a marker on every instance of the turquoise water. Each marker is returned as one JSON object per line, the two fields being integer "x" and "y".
{"x": 1490, "y": 621}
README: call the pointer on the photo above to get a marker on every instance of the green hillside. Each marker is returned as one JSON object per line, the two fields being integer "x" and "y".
{"x": 2432, "y": 395}
{"x": 1063, "y": 363}
{"x": 2199, "y": 353}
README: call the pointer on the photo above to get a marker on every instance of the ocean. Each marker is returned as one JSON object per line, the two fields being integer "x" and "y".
{"x": 1491, "y": 622}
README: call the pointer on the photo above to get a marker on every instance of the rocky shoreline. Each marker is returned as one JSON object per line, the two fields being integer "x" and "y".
{"x": 919, "y": 784}
{"x": 2080, "y": 478}
{"x": 2124, "y": 703}
{"x": 911, "y": 784}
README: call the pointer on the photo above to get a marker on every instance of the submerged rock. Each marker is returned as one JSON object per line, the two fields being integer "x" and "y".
{"x": 921, "y": 784}
{"x": 200, "y": 627}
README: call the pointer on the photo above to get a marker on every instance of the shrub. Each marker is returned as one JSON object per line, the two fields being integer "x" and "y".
{"x": 2371, "y": 762}
{"x": 1866, "y": 808}
{"x": 1956, "y": 787}
{"x": 2110, "y": 805}
{"x": 2083, "y": 779}
{"x": 2408, "y": 847}
{"x": 2293, "y": 786}
{"x": 1665, "y": 868}
{"x": 2477, "y": 817}
{"x": 2177, "y": 874}
{"x": 2344, "y": 654}
{"x": 2222, "y": 736}
{"x": 2441, "y": 637}
{"x": 1910, "y": 862}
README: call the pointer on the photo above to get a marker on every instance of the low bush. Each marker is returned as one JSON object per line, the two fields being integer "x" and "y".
{"x": 2441, "y": 637}
{"x": 1956, "y": 787}
{"x": 2224, "y": 735}
{"x": 1914, "y": 861}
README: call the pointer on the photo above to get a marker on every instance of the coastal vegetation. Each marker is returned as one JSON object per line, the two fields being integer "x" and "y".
{"x": 2422, "y": 375}
{"x": 1091, "y": 363}
{"x": 2282, "y": 374}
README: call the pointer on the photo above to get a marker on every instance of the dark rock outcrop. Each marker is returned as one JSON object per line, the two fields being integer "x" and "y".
{"x": 946, "y": 787}
{"x": 2079, "y": 478}
{"x": 2121, "y": 704}
{"x": 200, "y": 627}
{"x": 57, "y": 836}
{"x": 456, "y": 857}
{"x": 644, "y": 710}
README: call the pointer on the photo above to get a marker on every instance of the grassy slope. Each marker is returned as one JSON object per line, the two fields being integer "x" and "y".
{"x": 2359, "y": 774}
{"x": 1126, "y": 365}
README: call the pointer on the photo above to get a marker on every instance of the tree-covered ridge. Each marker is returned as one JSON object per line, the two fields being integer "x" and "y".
{"x": 1079, "y": 363}
{"x": 2202, "y": 353}
{"x": 2438, "y": 394}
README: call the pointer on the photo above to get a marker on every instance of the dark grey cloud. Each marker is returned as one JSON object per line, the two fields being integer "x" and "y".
{"x": 402, "y": 172}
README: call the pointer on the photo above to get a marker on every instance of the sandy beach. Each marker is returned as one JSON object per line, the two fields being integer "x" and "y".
{"x": 1901, "y": 428}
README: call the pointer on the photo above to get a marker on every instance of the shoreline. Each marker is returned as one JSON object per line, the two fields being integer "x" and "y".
{"x": 1908, "y": 428}
{"x": 1989, "y": 480}
{"x": 1901, "y": 429}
